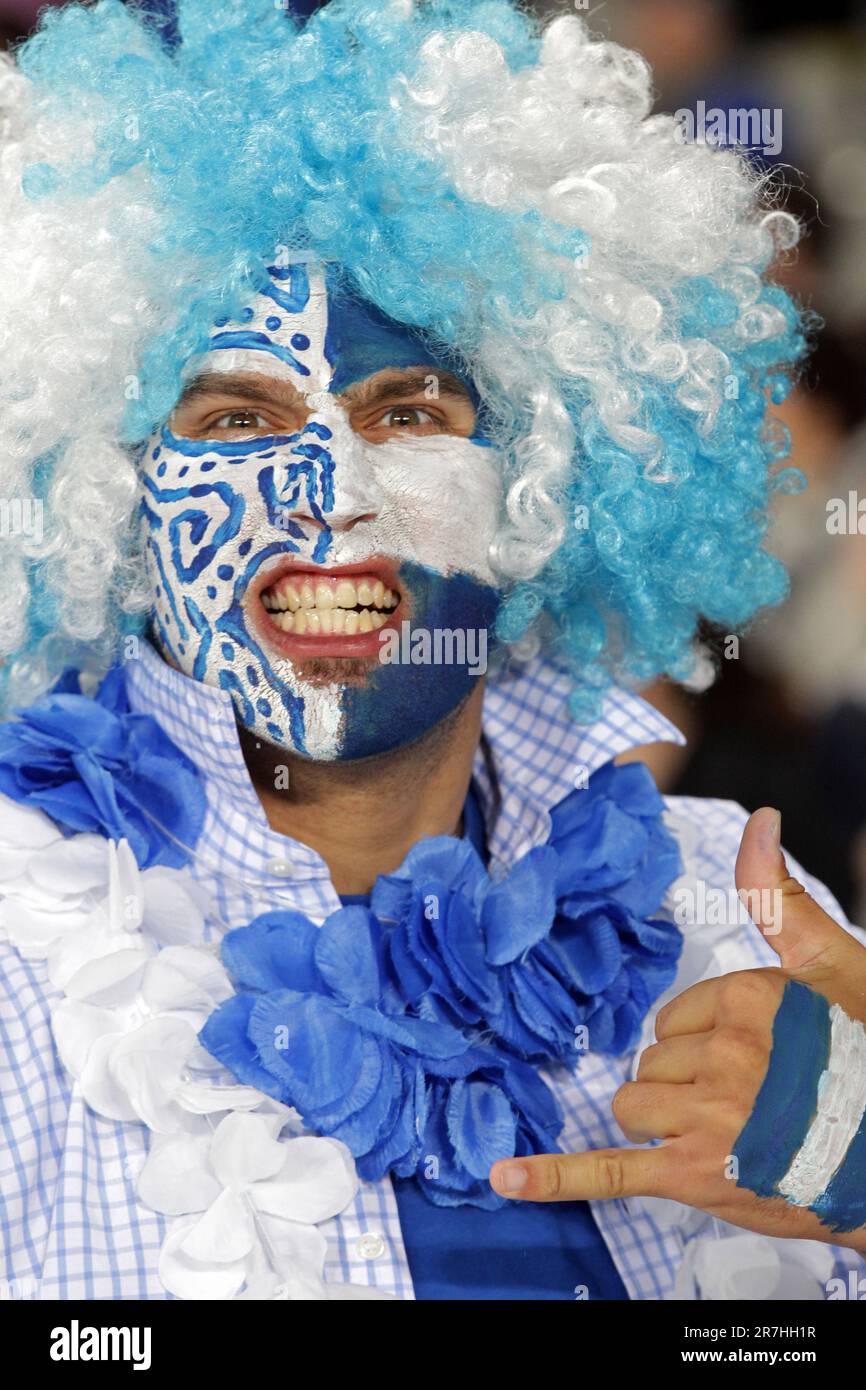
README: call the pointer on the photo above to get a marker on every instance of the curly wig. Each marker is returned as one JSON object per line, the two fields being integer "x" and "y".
{"x": 500, "y": 185}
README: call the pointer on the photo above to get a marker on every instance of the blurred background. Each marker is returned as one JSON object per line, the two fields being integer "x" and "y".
{"x": 785, "y": 721}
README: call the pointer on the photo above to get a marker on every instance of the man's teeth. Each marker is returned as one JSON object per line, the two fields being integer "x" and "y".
{"x": 314, "y": 621}
{"x": 303, "y": 606}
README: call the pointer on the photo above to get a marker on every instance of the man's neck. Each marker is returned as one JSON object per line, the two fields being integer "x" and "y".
{"x": 364, "y": 817}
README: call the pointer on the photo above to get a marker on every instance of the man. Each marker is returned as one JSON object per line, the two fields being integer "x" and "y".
{"x": 391, "y": 383}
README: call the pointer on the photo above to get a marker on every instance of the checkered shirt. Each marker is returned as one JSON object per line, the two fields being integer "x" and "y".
{"x": 70, "y": 1222}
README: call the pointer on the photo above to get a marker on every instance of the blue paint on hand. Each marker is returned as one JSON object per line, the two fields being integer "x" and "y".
{"x": 785, "y": 1109}
{"x": 787, "y": 1101}
{"x": 842, "y": 1204}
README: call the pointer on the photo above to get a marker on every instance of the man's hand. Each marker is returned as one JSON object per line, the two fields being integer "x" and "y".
{"x": 697, "y": 1086}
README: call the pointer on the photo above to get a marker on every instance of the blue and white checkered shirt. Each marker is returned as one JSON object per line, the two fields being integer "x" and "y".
{"x": 71, "y": 1224}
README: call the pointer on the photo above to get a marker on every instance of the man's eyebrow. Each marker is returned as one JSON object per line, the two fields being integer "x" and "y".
{"x": 399, "y": 384}
{"x": 386, "y": 385}
{"x": 243, "y": 384}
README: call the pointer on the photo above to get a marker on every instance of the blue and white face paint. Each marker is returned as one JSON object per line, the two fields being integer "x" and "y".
{"x": 282, "y": 565}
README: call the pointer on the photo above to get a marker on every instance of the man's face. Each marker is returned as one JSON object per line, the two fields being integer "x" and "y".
{"x": 319, "y": 501}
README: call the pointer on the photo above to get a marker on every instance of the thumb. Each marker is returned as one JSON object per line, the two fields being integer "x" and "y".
{"x": 811, "y": 947}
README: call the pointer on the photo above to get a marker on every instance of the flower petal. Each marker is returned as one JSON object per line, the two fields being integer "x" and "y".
{"x": 100, "y": 1088}
{"x": 77, "y": 865}
{"x": 76, "y": 1028}
{"x": 481, "y": 1125}
{"x": 346, "y": 956}
{"x": 174, "y": 906}
{"x": 519, "y": 911}
{"x": 299, "y": 1253}
{"x": 185, "y": 978}
{"x": 306, "y": 1041}
{"x": 274, "y": 952}
{"x": 32, "y": 930}
{"x": 176, "y": 1178}
{"x": 224, "y": 1234}
{"x": 148, "y": 1065}
{"x": 243, "y": 1151}
{"x": 224, "y": 1035}
{"x": 188, "y": 1278}
{"x": 202, "y": 1099}
{"x": 26, "y": 827}
{"x": 317, "y": 1181}
{"x": 110, "y": 980}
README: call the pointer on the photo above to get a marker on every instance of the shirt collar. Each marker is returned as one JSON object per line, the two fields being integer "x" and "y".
{"x": 199, "y": 719}
{"x": 538, "y": 755}
{"x": 531, "y": 756}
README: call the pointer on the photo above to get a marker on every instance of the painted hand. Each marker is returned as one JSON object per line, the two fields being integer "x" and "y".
{"x": 731, "y": 1086}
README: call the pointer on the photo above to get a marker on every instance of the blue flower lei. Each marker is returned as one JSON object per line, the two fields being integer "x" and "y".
{"x": 91, "y": 764}
{"x": 411, "y": 1030}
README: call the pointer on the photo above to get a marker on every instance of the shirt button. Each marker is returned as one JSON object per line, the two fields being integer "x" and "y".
{"x": 370, "y": 1246}
{"x": 280, "y": 868}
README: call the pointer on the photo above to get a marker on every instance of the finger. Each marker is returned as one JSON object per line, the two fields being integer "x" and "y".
{"x": 749, "y": 999}
{"x": 693, "y": 1011}
{"x": 812, "y": 947}
{"x": 602, "y": 1174}
{"x": 675, "y": 1060}
{"x": 647, "y": 1110}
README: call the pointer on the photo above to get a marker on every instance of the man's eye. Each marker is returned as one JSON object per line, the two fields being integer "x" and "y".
{"x": 241, "y": 420}
{"x": 406, "y": 417}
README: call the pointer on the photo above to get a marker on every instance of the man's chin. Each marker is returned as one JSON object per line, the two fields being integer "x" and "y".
{"x": 335, "y": 670}
{"x": 362, "y": 748}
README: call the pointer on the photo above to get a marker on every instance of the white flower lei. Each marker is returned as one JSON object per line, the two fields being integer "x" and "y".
{"x": 246, "y": 1188}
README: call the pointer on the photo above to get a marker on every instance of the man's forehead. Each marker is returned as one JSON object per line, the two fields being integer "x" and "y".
{"x": 310, "y": 329}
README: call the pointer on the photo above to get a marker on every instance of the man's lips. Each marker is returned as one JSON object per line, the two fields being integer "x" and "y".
{"x": 304, "y": 610}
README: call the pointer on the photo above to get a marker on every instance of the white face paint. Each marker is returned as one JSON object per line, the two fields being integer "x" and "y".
{"x": 230, "y": 520}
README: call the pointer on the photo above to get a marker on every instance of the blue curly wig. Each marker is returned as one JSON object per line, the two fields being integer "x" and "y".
{"x": 498, "y": 184}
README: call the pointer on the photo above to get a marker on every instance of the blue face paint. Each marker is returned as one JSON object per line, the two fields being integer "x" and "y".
{"x": 360, "y": 340}
{"x": 426, "y": 679}
{"x": 222, "y": 517}
{"x": 805, "y": 1139}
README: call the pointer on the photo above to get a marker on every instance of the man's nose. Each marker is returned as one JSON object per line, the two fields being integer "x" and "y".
{"x": 338, "y": 487}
